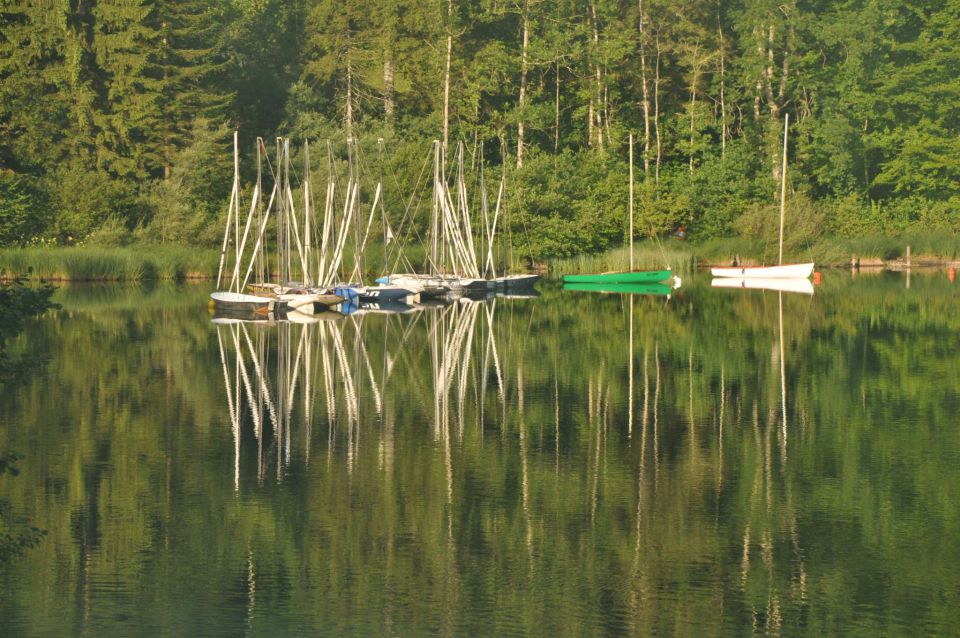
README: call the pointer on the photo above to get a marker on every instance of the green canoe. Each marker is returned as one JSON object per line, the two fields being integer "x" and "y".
{"x": 638, "y": 277}
{"x": 656, "y": 289}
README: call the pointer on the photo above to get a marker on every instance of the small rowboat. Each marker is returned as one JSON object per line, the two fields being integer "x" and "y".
{"x": 786, "y": 271}
{"x": 636, "y": 277}
{"x": 239, "y": 300}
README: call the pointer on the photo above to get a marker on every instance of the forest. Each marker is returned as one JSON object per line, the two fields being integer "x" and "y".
{"x": 116, "y": 116}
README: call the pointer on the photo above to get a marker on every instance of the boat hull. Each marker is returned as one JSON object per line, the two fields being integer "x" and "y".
{"x": 786, "y": 271}
{"x": 517, "y": 281}
{"x": 239, "y": 300}
{"x": 373, "y": 294}
{"x": 636, "y": 277}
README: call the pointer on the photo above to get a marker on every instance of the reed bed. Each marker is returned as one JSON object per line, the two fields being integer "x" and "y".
{"x": 925, "y": 248}
{"x": 646, "y": 256}
{"x": 129, "y": 263}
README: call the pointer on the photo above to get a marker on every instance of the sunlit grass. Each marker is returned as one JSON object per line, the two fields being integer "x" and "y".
{"x": 154, "y": 262}
{"x": 827, "y": 252}
{"x": 646, "y": 256}
{"x": 89, "y": 263}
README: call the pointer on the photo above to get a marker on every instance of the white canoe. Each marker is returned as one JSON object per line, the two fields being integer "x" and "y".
{"x": 791, "y": 271}
{"x": 781, "y": 284}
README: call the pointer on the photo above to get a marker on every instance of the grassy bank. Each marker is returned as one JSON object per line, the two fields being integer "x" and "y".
{"x": 130, "y": 263}
{"x": 154, "y": 262}
{"x": 148, "y": 262}
{"x": 925, "y": 249}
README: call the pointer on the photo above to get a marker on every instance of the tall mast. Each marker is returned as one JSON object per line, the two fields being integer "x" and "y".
{"x": 236, "y": 198}
{"x": 783, "y": 180}
{"x": 307, "y": 241}
{"x": 434, "y": 222}
{"x": 233, "y": 198}
{"x": 630, "y": 237}
{"x": 383, "y": 208}
{"x": 281, "y": 217}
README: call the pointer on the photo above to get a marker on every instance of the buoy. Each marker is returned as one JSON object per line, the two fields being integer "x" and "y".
{"x": 951, "y": 274}
{"x": 816, "y": 278}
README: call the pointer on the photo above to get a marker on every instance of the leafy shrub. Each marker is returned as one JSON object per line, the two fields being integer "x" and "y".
{"x": 804, "y": 223}
{"x": 83, "y": 198}
{"x": 21, "y": 210}
{"x": 112, "y": 232}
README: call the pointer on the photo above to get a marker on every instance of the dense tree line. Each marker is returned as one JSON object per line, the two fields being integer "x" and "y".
{"x": 115, "y": 114}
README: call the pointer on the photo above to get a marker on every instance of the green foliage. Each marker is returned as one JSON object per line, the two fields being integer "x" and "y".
{"x": 95, "y": 263}
{"x": 804, "y": 223}
{"x": 555, "y": 197}
{"x": 22, "y": 215}
{"x": 187, "y": 207}
{"x": 83, "y": 198}
{"x": 114, "y": 113}
{"x": 112, "y": 232}
{"x": 718, "y": 191}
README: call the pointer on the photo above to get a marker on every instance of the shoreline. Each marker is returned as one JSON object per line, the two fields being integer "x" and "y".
{"x": 152, "y": 263}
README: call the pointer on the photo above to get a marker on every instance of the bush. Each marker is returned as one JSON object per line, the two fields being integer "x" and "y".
{"x": 568, "y": 204}
{"x": 84, "y": 198}
{"x": 112, "y": 232}
{"x": 21, "y": 211}
{"x": 194, "y": 197}
{"x": 804, "y": 223}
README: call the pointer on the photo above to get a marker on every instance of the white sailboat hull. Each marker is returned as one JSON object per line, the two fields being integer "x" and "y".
{"x": 786, "y": 271}
{"x": 800, "y": 285}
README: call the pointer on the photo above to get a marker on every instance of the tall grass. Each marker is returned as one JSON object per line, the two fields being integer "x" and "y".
{"x": 89, "y": 263}
{"x": 929, "y": 247}
{"x": 646, "y": 256}
{"x": 833, "y": 251}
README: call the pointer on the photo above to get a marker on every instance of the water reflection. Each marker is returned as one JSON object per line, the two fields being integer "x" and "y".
{"x": 728, "y": 462}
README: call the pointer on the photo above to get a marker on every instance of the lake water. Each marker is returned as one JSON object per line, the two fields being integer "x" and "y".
{"x": 722, "y": 462}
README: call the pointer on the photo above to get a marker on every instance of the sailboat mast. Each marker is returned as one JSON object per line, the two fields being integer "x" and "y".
{"x": 233, "y": 198}
{"x": 307, "y": 234}
{"x": 630, "y": 237}
{"x": 236, "y": 198}
{"x": 783, "y": 181}
{"x": 435, "y": 223}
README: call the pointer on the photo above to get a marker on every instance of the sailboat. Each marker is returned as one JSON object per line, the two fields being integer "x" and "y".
{"x": 266, "y": 296}
{"x": 453, "y": 255}
{"x": 780, "y": 271}
{"x": 632, "y": 276}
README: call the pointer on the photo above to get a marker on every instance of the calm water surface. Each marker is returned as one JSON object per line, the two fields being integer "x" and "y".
{"x": 723, "y": 463}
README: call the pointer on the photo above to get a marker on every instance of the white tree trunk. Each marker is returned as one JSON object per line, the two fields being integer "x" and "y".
{"x": 446, "y": 77}
{"x": 523, "y": 81}
{"x": 644, "y": 84}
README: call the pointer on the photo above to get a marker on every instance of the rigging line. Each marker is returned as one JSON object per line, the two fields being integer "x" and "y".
{"x": 407, "y": 221}
{"x": 408, "y": 205}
